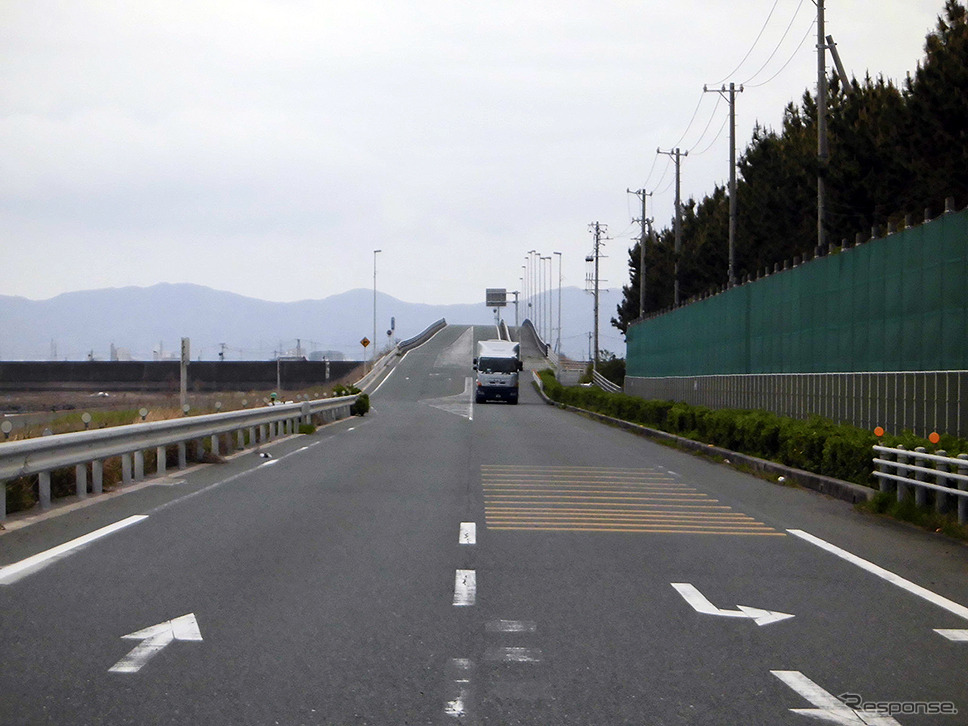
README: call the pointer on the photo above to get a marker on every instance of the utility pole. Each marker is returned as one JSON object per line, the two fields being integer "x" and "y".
{"x": 646, "y": 222}
{"x": 823, "y": 154}
{"x": 731, "y": 99}
{"x": 597, "y": 229}
{"x": 677, "y": 157}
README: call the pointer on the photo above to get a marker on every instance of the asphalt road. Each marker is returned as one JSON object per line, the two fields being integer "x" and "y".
{"x": 440, "y": 561}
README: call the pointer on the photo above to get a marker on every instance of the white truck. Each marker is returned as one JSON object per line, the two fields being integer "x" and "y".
{"x": 498, "y": 363}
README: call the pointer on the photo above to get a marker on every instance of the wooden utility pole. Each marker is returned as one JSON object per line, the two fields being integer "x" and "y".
{"x": 823, "y": 154}
{"x": 677, "y": 157}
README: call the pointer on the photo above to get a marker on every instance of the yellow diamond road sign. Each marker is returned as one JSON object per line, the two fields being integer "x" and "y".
{"x": 365, "y": 342}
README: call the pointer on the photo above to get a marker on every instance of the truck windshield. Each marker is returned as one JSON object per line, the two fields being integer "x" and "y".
{"x": 498, "y": 365}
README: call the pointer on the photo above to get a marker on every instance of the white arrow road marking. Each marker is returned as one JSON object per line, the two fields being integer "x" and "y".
{"x": 829, "y": 708}
{"x": 154, "y": 639}
{"x": 701, "y": 605}
{"x": 959, "y": 636}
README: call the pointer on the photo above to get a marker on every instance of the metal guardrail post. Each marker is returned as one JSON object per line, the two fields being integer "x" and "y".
{"x": 963, "y": 486}
{"x": 920, "y": 493}
{"x": 43, "y": 489}
{"x": 80, "y": 481}
{"x": 97, "y": 477}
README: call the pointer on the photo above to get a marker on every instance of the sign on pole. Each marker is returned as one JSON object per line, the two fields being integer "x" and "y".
{"x": 496, "y": 297}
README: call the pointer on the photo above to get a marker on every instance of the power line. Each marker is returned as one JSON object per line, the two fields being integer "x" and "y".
{"x": 779, "y": 43}
{"x": 752, "y": 47}
{"x": 789, "y": 60}
{"x": 691, "y": 120}
{"x": 708, "y": 124}
{"x": 713, "y": 142}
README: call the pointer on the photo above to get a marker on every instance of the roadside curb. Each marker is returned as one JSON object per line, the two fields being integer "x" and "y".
{"x": 836, "y": 488}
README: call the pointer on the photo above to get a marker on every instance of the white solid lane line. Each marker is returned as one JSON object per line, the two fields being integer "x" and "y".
{"x": 12, "y": 573}
{"x": 922, "y": 592}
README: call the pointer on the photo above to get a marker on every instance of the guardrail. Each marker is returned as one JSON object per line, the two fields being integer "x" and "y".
{"x": 502, "y": 331}
{"x": 81, "y": 449}
{"x": 542, "y": 346}
{"x": 949, "y": 475}
{"x": 606, "y": 385}
{"x": 423, "y": 337}
{"x": 370, "y": 377}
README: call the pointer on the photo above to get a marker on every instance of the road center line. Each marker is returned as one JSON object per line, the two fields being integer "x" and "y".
{"x": 465, "y": 588}
{"x": 12, "y": 573}
{"x": 922, "y": 592}
{"x": 510, "y": 626}
{"x": 468, "y": 533}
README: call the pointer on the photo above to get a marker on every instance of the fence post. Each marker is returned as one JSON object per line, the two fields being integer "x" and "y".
{"x": 3, "y": 501}
{"x": 942, "y": 501}
{"x": 902, "y": 488}
{"x": 161, "y": 456}
{"x": 963, "y": 486}
{"x": 920, "y": 493}
{"x": 139, "y": 465}
{"x": 182, "y": 455}
{"x": 884, "y": 485}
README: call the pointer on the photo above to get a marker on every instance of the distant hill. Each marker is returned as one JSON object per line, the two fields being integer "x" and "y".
{"x": 141, "y": 321}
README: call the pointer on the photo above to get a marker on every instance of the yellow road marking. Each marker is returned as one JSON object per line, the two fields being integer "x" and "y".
{"x": 588, "y": 499}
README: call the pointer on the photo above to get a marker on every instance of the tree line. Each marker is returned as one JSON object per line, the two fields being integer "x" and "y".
{"x": 894, "y": 151}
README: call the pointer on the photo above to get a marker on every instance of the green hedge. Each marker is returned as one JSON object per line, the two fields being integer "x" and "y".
{"x": 817, "y": 444}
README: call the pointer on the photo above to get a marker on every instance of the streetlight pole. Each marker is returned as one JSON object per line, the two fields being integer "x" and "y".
{"x": 531, "y": 285}
{"x": 558, "y": 337}
{"x": 373, "y": 355}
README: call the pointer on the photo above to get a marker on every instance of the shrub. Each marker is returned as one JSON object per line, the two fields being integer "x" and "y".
{"x": 307, "y": 429}
{"x": 817, "y": 444}
{"x": 847, "y": 455}
{"x": 361, "y": 406}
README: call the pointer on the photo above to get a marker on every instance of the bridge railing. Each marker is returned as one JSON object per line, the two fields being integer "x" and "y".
{"x": 83, "y": 449}
{"x": 606, "y": 385}
{"x": 902, "y": 470}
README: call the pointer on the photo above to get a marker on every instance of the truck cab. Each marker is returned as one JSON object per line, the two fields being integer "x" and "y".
{"x": 497, "y": 365}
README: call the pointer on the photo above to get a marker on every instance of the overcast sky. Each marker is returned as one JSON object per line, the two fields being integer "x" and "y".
{"x": 267, "y": 148}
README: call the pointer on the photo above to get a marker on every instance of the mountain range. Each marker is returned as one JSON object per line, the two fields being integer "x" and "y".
{"x": 146, "y": 323}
